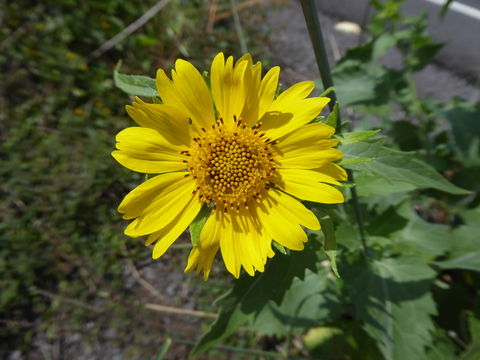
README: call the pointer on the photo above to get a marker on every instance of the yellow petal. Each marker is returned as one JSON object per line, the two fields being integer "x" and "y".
{"x": 334, "y": 171}
{"x": 302, "y": 175}
{"x": 304, "y": 185}
{"x": 268, "y": 88}
{"x": 308, "y": 135}
{"x": 285, "y": 117}
{"x": 145, "y": 150}
{"x": 167, "y": 235}
{"x": 201, "y": 260}
{"x": 252, "y": 79}
{"x": 228, "y": 244}
{"x": 308, "y": 158}
{"x": 279, "y": 224}
{"x": 294, "y": 209}
{"x": 296, "y": 92}
{"x": 167, "y": 120}
{"x": 201, "y": 256}
{"x": 228, "y": 88}
{"x": 188, "y": 92}
{"x": 142, "y": 196}
{"x": 259, "y": 94}
{"x": 163, "y": 209}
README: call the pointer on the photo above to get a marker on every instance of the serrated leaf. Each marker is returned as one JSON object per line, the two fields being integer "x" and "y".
{"x": 464, "y": 118}
{"x": 355, "y": 137}
{"x": 416, "y": 235}
{"x": 371, "y": 184}
{"x": 397, "y": 167}
{"x": 306, "y": 303}
{"x": 197, "y": 224}
{"x": 359, "y": 83}
{"x": 465, "y": 245}
{"x": 383, "y": 43}
{"x": 138, "y": 85}
{"x": 392, "y": 298}
{"x": 249, "y": 295}
{"x": 469, "y": 261}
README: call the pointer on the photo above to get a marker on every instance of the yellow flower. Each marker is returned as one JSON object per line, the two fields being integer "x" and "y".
{"x": 236, "y": 149}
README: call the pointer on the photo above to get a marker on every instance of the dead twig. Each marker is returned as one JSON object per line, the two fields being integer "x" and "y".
{"x": 66, "y": 300}
{"x": 16, "y": 323}
{"x": 142, "y": 20}
{"x": 180, "y": 311}
{"x": 238, "y": 27}
{"x": 144, "y": 283}
{"x": 212, "y": 11}
{"x": 242, "y": 6}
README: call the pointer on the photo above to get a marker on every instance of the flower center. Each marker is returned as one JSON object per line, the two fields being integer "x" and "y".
{"x": 231, "y": 165}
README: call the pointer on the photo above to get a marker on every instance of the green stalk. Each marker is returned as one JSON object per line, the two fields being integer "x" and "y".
{"x": 316, "y": 38}
{"x": 315, "y": 31}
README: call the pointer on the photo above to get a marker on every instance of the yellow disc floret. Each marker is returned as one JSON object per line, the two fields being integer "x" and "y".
{"x": 231, "y": 164}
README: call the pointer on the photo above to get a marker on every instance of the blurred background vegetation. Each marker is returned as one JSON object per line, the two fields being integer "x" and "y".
{"x": 73, "y": 286}
{"x": 64, "y": 260}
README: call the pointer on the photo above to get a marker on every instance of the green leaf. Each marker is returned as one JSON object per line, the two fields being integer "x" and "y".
{"x": 306, "y": 303}
{"x": 332, "y": 117}
{"x": 465, "y": 245}
{"x": 421, "y": 237}
{"x": 249, "y": 295}
{"x": 473, "y": 351}
{"x": 397, "y": 167}
{"x": 406, "y": 135}
{"x": 355, "y": 137}
{"x": 320, "y": 337}
{"x": 352, "y": 161}
{"x": 138, "y": 85}
{"x": 164, "y": 348}
{"x": 383, "y": 43}
{"x": 445, "y": 7}
{"x": 470, "y": 261}
{"x": 197, "y": 224}
{"x": 371, "y": 184}
{"x": 392, "y": 298}
{"x": 464, "y": 118}
{"x": 359, "y": 83}
{"x": 442, "y": 348}
{"x": 423, "y": 55}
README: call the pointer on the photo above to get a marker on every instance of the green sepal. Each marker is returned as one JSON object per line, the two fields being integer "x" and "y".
{"x": 332, "y": 117}
{"x": 330, "y": 242}
{"x": 157, "y": 100}
{"x": 279, "y": 247}
{"x": 197, "y": 224}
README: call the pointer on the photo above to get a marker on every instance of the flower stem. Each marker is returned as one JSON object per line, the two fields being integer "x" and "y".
{"x": 315, "y": 31}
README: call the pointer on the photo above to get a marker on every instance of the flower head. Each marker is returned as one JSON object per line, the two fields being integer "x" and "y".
{"x": 236, "y": 149}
